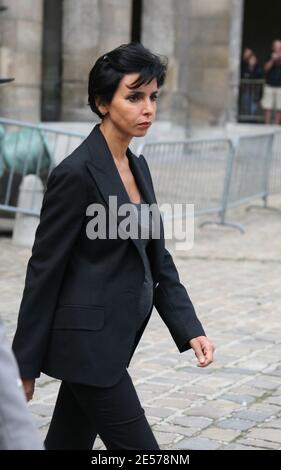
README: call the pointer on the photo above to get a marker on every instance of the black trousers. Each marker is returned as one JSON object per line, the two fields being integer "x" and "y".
{"x": 115, "y": 413}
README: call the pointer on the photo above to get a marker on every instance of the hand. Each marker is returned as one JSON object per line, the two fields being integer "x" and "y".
{"x": 28, "y": 386}
{"x": 203, "y": 349}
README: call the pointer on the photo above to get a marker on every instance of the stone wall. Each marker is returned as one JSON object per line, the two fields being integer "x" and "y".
{"x": 201, "y": 39}
{"x": 164, "y": 32}
{"x": 90, "y": 28}
{"x": 20, "y": 58}
{"x": 208, "y": 51}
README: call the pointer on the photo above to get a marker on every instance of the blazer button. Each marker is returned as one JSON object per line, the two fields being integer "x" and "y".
{"x": 156, "y": 285}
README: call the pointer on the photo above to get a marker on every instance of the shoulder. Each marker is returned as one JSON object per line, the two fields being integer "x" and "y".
{"x": 72, "y": 166}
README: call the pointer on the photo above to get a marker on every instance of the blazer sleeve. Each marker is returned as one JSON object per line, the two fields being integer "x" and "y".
{"x": 61, "y": 217}
{"x": 173, "y": 302}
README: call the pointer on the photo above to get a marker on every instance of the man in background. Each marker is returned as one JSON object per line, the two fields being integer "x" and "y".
{"x": 271, "y": 100}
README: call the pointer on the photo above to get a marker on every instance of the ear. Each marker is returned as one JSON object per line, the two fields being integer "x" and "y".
{"x": 102, "y": 107}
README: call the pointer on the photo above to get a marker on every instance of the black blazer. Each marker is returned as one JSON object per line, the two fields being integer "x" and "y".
{"x": 77, "y": 318}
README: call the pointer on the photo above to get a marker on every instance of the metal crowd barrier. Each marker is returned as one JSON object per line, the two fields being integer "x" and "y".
{"x": 250, "y": 172}
{"x": 274, "y": 186}
{"x": 27, "y": 148}
{"x": 191, "y": 172}
{"x": 273, "y": 174}
{"x": 214, "y": 175}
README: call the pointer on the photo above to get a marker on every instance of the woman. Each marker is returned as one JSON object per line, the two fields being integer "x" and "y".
{"x": 87, "y": 299}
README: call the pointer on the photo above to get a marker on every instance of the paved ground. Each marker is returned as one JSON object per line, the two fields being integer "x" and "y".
{"x": 234, "y": 282}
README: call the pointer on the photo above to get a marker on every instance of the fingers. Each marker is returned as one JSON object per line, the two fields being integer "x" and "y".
{"x": 199, "y": 353}
{"x": 29, "y": 395}
{"x": 208, "y": 350}
{"x": 28, "y": 386}
{"x": 207, "y": 359}
{"x": 203, "y": 350}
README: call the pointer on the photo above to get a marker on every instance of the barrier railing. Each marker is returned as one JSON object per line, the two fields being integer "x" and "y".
{"x": 213, "y": 174}
{"x": 250, "y": 173}
{"x": 273, "y": 174}
{"x": 250, "y": 95}
{"x": 192, "y": 171}
{"x": 274, "y": 186}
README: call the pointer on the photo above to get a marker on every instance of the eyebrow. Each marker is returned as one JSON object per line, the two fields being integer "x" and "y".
{"x": 140, "y": 92}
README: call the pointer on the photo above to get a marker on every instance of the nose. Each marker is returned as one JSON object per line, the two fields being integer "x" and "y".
{"x": 148, "y": 108}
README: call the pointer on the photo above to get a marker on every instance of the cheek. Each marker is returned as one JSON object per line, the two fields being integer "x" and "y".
{"x": 122, "y": 109}
{"x": 129, "y": 111}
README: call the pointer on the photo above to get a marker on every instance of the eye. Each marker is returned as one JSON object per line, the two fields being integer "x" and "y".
{"x": 154, "y": 97}
{"x": 133, "y": 98}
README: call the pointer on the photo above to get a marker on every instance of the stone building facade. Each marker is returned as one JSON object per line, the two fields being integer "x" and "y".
{"x": 49, "y": 47}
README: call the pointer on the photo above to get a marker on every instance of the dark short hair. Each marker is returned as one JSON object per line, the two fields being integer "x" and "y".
{"x": 110, "y": 68}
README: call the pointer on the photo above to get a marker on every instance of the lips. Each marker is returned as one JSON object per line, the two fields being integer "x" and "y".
{"x": 144, "y": 123}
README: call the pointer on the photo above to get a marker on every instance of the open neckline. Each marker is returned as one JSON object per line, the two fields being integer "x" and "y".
{"x": 129, "y": 156}
{"x": 142, "y": 201}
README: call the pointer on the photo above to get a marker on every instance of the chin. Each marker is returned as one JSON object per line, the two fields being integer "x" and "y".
{"x": 140, "y": 132}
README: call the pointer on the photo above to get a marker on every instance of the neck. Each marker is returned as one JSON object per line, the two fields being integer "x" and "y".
{"x": 116, "y": 140}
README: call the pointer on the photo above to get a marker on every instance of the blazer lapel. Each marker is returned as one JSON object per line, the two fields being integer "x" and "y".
{"x": 105, "y": 173}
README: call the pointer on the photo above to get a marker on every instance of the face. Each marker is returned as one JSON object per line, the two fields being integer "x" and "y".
{"x": 247, "y": 53}
{"x": 276, "y": 46}
{"x": 252, "y": 60}
{"x": 130, "y": 108}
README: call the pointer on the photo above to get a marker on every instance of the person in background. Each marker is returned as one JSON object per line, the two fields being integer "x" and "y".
{"x": 250, "y": 91}
{"x": 247, "y": 53}
{"x": 17, "y": 430}
{"x": 271, "y": 100}
{"x": 254, "y": 68}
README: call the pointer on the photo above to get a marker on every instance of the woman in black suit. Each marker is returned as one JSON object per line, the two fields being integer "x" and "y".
{"x": 90, "y": 288}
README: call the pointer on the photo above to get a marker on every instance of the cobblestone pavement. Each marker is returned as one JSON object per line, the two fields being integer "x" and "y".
{"x": 234, "y": 282}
